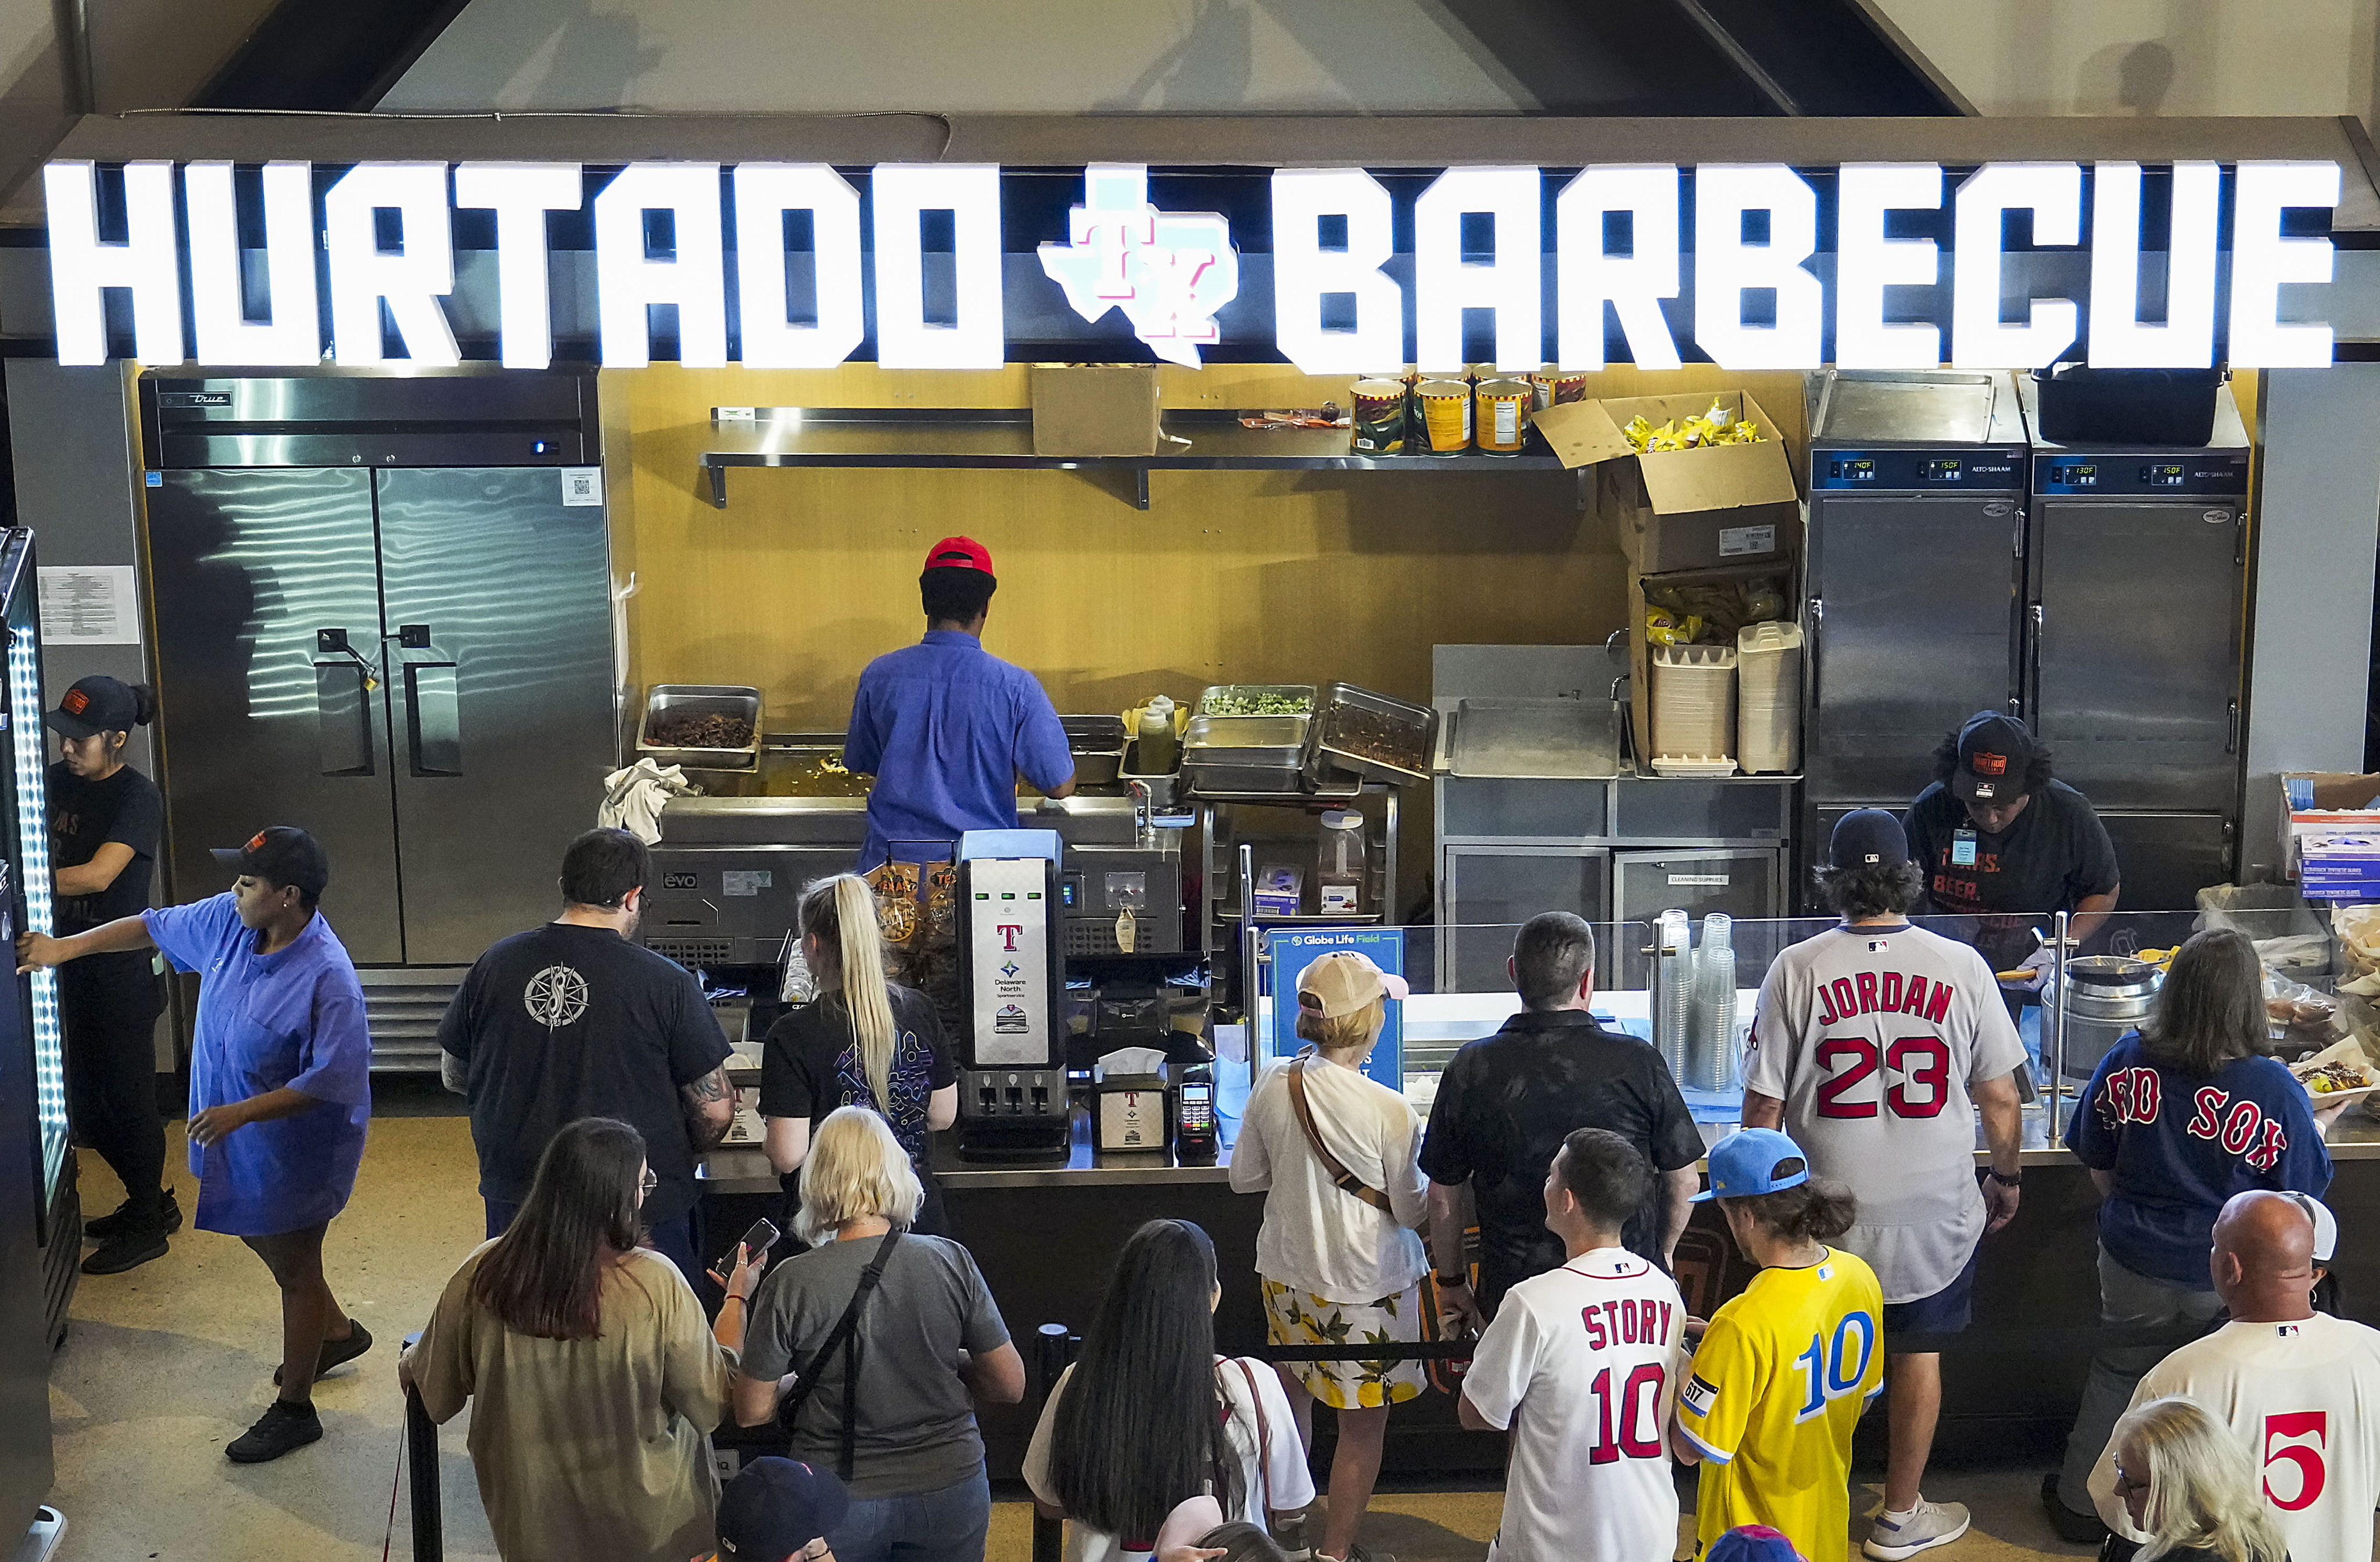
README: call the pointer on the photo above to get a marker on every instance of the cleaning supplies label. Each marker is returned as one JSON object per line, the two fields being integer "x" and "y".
{"x": 1699, "y": 880}
{"x": 1736, "y": 542}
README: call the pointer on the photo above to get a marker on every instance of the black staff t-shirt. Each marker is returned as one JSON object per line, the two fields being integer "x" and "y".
{"x": 1505, "y": 1104}
{"x": 810, "y": 1065}
{"x": 2055, "y": 853}
{"x": 87, "y": 815}
{"x": 566, "y": 1022}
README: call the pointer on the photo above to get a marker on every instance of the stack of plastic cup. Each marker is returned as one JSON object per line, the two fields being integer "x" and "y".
{"x": 1710, "y": 1029}
{"x": 1673, "y": 994}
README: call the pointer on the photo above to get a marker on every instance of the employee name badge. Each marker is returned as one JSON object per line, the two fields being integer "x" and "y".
{"x": 1962, "y": 848}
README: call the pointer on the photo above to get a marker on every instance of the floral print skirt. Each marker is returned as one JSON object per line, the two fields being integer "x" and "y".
{"x": 1295, "y": 1316}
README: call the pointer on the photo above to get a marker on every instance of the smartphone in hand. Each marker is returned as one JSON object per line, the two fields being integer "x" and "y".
{"x": 762, "y": 1236}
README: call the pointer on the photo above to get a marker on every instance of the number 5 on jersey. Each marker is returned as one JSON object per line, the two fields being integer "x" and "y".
{"x": 2300, "y": 1438}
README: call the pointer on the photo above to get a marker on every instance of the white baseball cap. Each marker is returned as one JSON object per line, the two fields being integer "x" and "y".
{"x": 1342, "y": 982}
{"x": 2326, "y": 1224}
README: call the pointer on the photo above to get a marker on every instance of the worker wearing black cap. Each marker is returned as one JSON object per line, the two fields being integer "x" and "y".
{"x": 104, "y": 818}
{"x": 2003, "y": 842}
{"x": 280, "y": 1091}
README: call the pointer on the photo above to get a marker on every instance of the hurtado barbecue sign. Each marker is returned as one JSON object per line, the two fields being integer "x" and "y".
{"x": 377, "y": 246}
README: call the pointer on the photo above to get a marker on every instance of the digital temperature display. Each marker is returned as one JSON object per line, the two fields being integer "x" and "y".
{"x": 2161, "y": 476}
{"x": 1943, "y": 471}
{"x": 1861, "y": 470}
{"x": 2081, "y": 477}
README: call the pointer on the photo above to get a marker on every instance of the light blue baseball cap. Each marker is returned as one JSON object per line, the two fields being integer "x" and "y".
{"x": 1745, "y": 1164}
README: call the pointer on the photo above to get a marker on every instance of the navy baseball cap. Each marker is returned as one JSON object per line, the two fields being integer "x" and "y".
{"x": 1752, "y": 1543}
{"x": 98, "y": 704}
{"x": 1867, "y": 838}
{"x": 1994, "y": 752}
{"x": 1750, "y": 1161}
{"x": 281, "y": 854}
{"x": 775, "y": 1507}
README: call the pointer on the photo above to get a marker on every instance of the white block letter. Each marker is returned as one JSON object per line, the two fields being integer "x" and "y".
{"x": 1634, "y": 285}
{"x": 2053, "y": 193}
{"x": 1867, "y": 263}
{"x": 970, "y": 192}
{"x": 521, "y": 194}
{"x": 225, "y": 335}
{"x": 764, "y": 193}
{"x": 412, "y": 280}
{"x": 1512, "y": 282}
{"x": 81, "y": 266}
{"x": 1725, "y": 266}
{"x": 694, "y": 278}
{"x": 1302, "y": 271}
{"x": 2186, "y": 340}
{"x": 2262, "y": 261}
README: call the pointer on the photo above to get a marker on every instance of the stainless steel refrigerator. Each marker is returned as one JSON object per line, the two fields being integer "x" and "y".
{"x": 41, "y": 1226}
{"x": 383, "y": 612}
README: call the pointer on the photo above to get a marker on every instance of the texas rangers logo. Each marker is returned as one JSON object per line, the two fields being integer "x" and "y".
{"x": 1167, "y": 271}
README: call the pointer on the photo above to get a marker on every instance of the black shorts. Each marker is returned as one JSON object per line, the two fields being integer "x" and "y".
{"x": 1948, "y": 1311}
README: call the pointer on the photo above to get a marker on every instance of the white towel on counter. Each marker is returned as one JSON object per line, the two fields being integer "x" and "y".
{"x": 633, "y": 798}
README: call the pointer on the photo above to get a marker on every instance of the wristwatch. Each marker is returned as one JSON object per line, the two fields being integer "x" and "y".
{"x": 2006, "y": 1179}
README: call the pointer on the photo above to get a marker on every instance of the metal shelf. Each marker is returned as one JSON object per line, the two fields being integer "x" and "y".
{"x": 904, "y": 437}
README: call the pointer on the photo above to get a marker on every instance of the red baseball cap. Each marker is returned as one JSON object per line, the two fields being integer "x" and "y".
{"x": 959, "y": 554}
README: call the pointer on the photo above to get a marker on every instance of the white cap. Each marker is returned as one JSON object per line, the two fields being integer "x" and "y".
{"x": 2326, "y": 1224}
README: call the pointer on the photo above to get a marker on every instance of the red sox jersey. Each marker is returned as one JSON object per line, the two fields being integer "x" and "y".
{"x": 1871, "y": 1036}
{"x": 2304, "y": 1397}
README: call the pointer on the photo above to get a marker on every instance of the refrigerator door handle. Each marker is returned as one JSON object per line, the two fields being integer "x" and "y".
{"x": 1816, "y": 637}
{"x": 433, "y": 718}
{"x": 343, "y": 716}
{"x": 2040, "y": 629}
{"x": 2231, "y": 730}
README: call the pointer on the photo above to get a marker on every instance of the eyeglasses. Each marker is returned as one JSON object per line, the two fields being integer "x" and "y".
{"x": 650, "y": 1182}
{"x": 2125, "y": 1484}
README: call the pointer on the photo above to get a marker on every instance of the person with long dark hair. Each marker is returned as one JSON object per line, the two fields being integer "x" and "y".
{"x": 881, "y": 1336}
{"x": 1786, "y": 1368}
{"x": 1149, "y": 1416}
{"x": 105, "y": 820}
{"x": 593, "y": 1381}
{"x": 2178, "y": 1117}
{"x": 863, "y": 1041}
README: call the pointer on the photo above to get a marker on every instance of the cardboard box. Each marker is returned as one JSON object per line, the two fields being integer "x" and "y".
{"x": 1640, "y": 683}
{"x": 2329, "y": 815}
{"x": 1683, "y": 509}
{"x": 1092, "y": 410}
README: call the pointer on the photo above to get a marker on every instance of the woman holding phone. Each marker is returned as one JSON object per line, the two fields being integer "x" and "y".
{"x": 592, "y": 1380}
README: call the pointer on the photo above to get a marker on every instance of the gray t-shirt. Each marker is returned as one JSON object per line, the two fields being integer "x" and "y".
{"x": 915, "y": 1427}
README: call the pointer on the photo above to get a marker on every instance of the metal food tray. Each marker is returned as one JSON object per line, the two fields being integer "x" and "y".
{"x": 1325, "y": 760}
{"x": 1225, "y": 779}
{"x": 1227, "y": 729}
{"x": 1097, "y": 743}
{"x": 1269, "y": 742}
{"x": 701, "y": 699}
{"x": 1536, "y": 739}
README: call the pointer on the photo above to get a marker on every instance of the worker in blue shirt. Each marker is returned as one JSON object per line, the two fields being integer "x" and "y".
{"x": 280, "y": 1091}
{"x": 945, "y": 727}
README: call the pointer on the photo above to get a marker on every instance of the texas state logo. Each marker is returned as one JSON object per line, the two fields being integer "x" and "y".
{"x": 1169, "y": 271}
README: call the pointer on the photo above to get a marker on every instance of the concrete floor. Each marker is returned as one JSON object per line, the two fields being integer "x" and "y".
{"x": 164, "y": 1365}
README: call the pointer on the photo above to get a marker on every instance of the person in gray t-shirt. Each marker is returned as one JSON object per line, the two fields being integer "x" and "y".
{"x": 927, "y": 1337}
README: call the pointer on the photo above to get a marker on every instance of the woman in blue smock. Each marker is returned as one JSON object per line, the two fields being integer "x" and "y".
{"x": 280, "y": 1091}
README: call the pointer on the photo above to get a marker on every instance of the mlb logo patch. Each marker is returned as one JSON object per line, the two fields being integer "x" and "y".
{"x": 1699, "y": 1394}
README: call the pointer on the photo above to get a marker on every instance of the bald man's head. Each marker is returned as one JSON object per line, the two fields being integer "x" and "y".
{"x": 2262, "y": 1262}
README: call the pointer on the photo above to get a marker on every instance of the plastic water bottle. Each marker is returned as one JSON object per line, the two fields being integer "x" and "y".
{"x": 1710, "y": 1040}
{"x": 1674, "y": 935}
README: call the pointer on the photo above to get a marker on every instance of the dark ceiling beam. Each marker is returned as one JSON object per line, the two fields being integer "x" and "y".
{"x": 328, "y": 55}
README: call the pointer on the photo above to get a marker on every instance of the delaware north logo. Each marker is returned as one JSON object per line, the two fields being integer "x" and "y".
{"x": 1169, "y": 271}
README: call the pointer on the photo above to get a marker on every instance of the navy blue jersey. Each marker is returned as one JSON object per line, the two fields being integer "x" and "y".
{"x": 2180, "y": 1146}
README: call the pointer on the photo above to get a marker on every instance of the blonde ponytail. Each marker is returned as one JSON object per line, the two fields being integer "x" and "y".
{"x": 839, "y": 913}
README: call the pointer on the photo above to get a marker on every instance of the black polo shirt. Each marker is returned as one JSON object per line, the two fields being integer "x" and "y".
{"x": 1507, "y": 1101}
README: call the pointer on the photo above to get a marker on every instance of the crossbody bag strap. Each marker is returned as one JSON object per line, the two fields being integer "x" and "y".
{"x": 1333, "y": 1167}
{"x": 1263, "y": 1441}
{"x": 844, "y": 1337}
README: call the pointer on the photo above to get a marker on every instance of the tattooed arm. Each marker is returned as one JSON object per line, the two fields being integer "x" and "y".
{"x": 710, "y": 1104}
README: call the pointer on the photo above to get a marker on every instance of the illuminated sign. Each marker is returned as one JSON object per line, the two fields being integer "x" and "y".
{"x": 813, "y": 266}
